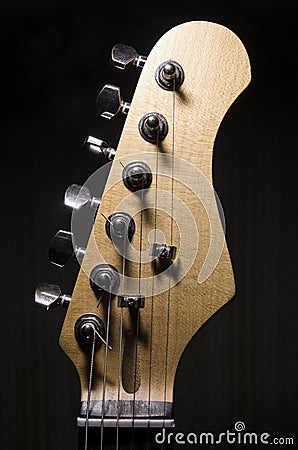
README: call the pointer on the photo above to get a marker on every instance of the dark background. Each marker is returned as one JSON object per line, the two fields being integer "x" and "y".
{"x": 242, "y": 365}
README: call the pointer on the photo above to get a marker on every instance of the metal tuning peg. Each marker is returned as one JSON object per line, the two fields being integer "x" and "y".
{"x": 109, "y": 102}
{"x": 77, "y": 196}
{"x": 62, "y": 249}
{"x": 123, "y": 55}
{"x": 99, "y": 147}
{"x": 48, "y": 296}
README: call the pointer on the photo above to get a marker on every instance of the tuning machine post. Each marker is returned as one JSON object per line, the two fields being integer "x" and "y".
{"x": 169, "y": 75}
{"x": 123, "y": 55}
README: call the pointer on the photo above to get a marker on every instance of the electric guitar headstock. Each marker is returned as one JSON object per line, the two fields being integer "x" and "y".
{"x": 156, "y": 266}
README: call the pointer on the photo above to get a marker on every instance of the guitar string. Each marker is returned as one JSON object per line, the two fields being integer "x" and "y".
{"x": 141, "y": 237}
{"x": 103, "y": 405}
{"x": 89, "y": 389}
{"x": 171, "y": 243}
{"x": 153, "y": 285}
{"x": 120, "y": 352}
{"x": 137, "y": 328}
{"x": 137, "y": 320}
{"x": 119, "y": 376}
{"x": 138, "y": 317}
{"x": 135, "y": 375}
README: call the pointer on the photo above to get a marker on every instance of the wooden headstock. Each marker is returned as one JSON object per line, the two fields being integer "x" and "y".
{"x": 179, "y": 296}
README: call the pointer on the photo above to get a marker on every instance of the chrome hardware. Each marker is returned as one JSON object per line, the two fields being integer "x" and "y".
{"x": 137, "y": 175}
{"x": 123, "y": 55}
{"x": 126, "y": 423}
{"x": 163, "y": 251}
{"x": 87, "y": 325}
{"x": 77, "y": 196}
{"x": 120, "y": 226}
{"x": 169, "y": 75}
{"x": 153, "y": 127}
{"x": 48, "y": 296}
{"x": 104, "y": 277}
{"x": 131, "y": 301}
{"x": 109, "y": 102}
{"x": 62, "y": 249}
{"x": 99, "y": 147}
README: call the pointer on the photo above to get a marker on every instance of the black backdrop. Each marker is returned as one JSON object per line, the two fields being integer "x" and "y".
{"x": 242, "y": 365}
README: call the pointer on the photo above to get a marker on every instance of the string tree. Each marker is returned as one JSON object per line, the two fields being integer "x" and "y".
{"x": 163, "y": 251}
{"x": 131, "y": 301}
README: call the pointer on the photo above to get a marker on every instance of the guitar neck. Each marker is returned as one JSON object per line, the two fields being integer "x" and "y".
{"x": 156, "y": 266}
{"x": 125, "y": 439}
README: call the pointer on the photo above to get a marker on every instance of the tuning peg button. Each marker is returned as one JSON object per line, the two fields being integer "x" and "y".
{"x": 109, "y": 102}
{"x": 62, "y": 249}
{"x": 100, "y": 147}
{"x": 77, "y": 196}
{"x": 48, "y": 296}
{"x": 123, "y": 55}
